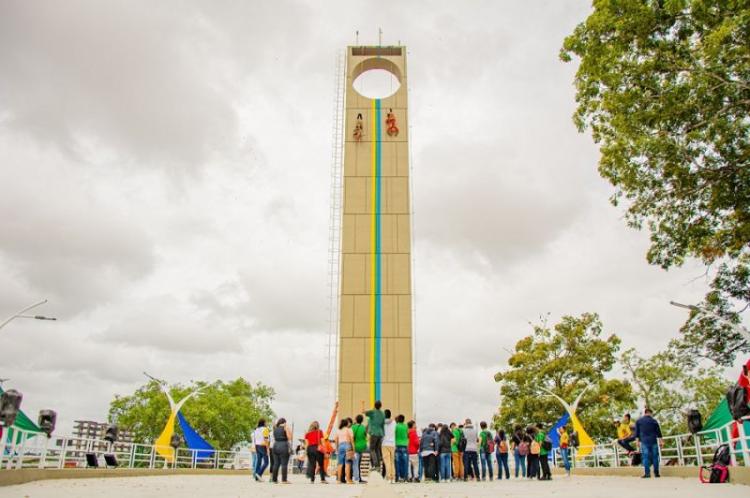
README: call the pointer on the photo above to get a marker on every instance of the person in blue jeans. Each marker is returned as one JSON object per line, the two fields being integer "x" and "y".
{"x": 486, "y": 450}
{"x": 401, "y": 456}
{"x": 501, "y": 454}
{"x": 519, "y": 453}
{"x": 648, "y": 433}
{"x": 445, "y": 438}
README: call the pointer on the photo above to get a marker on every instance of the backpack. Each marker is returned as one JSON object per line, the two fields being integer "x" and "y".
{"x": 535, "y": 448}
{"x": 503, "y": 446}
{"x": 523, "y": 448}
{"x": 462, "y": 443}
{"x": 547, "y": 444}
{"x": 737, "y": 401}
{"x": 718, "y": 471}
{"x": 490, "y": 443}
{"x": 694, "y": 421}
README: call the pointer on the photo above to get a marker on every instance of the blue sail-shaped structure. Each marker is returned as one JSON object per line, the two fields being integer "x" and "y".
{"x": 194, "y": 441}
{"x": 552, "y": 433}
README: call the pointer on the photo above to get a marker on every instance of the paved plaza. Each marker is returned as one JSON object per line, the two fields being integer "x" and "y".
{"x": 239, "y": 486}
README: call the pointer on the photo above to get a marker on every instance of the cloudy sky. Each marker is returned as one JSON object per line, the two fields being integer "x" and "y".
{"x": 164, "y": 182}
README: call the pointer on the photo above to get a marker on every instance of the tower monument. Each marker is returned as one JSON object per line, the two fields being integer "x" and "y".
{"x": 375, "y": 326}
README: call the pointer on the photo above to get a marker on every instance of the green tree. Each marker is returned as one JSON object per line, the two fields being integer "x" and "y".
{"x": 670, "y": 387}
{"x": 664, "y": 87}
{"x": 563, "y": 359}
{"x": 224, "y": 413}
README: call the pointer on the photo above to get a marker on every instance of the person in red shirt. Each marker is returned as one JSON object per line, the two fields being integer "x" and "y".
{"x": 313, "y": 439}
{"x": 413, "y": 450}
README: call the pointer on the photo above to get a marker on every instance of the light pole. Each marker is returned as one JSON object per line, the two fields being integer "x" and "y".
{"x": 20, "y": 314}
{"x": 734, "y": 326}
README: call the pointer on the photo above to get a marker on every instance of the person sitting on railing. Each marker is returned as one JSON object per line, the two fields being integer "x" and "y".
{"x": 625, "y": 434}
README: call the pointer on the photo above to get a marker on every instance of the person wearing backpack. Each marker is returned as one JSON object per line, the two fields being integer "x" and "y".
{"x": 457, "y": 455}
{"x": 471, "y": 465}
{"x": 501, "y": 454}
{"x": 428, "y": 448}
{"x": 545, "y": 446}
{"x": 486, "y": 449}
{"x": 648, "y": 433}
{"x": 533, "y": 455}
{"x": 519, "y": 451}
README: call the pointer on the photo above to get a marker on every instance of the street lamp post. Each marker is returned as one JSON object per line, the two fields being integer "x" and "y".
{"x": 734, "y": 326}
{"x": 20, "y": 314}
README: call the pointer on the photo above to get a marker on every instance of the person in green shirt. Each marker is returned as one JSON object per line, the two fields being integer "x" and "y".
{"x": 360, "y": 446}
{"x": 458, "y": 455}
{"x": 376, "y": 428}
{"x": 402, "y": 449}
{"x": 485, "y": 452}
{"x": 545, "y": 446}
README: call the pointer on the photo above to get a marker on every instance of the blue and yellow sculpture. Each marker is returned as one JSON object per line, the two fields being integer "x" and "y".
{"x": 585, "y": 441}
{"x": 193, "y": 440}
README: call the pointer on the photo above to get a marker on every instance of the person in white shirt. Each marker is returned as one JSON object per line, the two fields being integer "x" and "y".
{"x": 261, "y": 441}
{"x": 389, "y": 446}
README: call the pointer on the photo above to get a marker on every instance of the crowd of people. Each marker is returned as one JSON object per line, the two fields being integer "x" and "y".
{"x": 437, "y": 452}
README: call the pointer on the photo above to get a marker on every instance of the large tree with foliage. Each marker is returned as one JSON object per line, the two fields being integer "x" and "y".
{"x": 664, "y": 87}
{"x": 670, "y": 387}
{"x": 223, "y": 414}
{"x": 563, "y": 359}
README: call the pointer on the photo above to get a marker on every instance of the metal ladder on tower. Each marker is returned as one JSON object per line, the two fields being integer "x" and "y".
{"x": 334, "y": 226}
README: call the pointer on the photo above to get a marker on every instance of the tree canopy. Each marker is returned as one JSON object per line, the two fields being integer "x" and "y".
{"x": 664, "y": 87}
{"x": 224, "y": 413}
{"x": 563, "y": 359}
{"x": 670, "y": 387}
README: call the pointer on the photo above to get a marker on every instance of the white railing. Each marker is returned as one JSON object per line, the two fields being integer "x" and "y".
{"x": 683, "y": 449}
{"x": 35, "y": 450}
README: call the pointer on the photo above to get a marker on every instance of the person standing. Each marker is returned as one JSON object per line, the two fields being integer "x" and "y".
{"x": 501, "y": 455}
{"x": 261, "y": 438}
{"x": 444, "y": 451}
{"x": 519, "y": 451}
{"x": 545, "y": 446}
{"x": 345, "y": 452}
{"x": 389, "y": 446}
{"x": 486, "y": 450}
{"x": 282, "y": 437}
{"x": 428, "y": 448}
{"x": 375, "y": 426}
{"x": 458, "y": 456}
{"x": 648, "y": 433}
{"x": 360, "y": 446}
{"x": 471, "y": 466}
{"x": 402, "y": 449}
{"x": 415, "y": 465}
{"x": 533, "y": 456}
{"x": 564, "y": 448}
{"x": 313, "y": 439}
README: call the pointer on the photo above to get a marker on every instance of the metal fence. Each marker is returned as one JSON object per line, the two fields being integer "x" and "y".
{"x": 35, "y": 450}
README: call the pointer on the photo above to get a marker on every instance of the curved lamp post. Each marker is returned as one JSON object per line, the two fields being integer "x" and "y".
{"x": 20, "y": 314}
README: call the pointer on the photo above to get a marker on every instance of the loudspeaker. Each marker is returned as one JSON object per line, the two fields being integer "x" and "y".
{"x": 110, "y": 460}
{"x": 92, "y": 461}
{"x": 111, "y": 433}
{"x": 10, "y": 405}
{"x": 175, "y": 441}
{"x": 47, "y": 419}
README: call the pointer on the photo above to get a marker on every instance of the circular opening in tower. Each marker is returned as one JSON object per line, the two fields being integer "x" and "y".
{"x": 376, "y": 78}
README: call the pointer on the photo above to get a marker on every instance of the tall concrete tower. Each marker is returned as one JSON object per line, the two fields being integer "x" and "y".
{"x": 375, "y": 335}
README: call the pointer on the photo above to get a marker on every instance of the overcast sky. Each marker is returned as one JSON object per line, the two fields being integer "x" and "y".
{"x": 164, "y": 182}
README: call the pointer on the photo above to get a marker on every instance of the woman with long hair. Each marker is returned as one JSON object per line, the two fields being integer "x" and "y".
{"x": 313, "y": 438}
{"x": 345, "y": 451}
{"x": 282, "y": 437}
